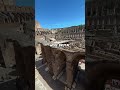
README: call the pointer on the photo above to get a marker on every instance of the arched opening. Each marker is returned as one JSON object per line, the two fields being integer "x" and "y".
{"x": 73, "y": 71}
{"x": 1, "y": 59}
{"x": 6, "y": 21}
{"x": 79, "y": 69}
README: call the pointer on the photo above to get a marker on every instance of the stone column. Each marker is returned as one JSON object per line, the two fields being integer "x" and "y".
{"x": 69, "y": 69}
{"x": 43, "y": 53}
{"x": 69, "y": 74}
{"x": 48, "y": 57}
{"x": 58, "y": 63}
{"x": 8, "y": 54}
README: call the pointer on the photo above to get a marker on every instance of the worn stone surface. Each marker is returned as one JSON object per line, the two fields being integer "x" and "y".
{"x": 38, "y": 49}
{"x": 59, "y": 62}
{"x": 25, "y": 63}
{"x": 60, "y": 59}
{"x": 9, "y": 54}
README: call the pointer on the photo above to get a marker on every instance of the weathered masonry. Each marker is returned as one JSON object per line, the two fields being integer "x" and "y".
{"x": 61, "y": 59}
{"x": 70, "y": 33}
{"x": 102, "y": 42}
{"x": 17, "y": 41}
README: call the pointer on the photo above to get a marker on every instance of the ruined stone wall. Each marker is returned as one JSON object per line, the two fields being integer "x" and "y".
{"x": 8, "y": 2}
{"x": 74, "y": 33}
{"x": 103, "y": 47}
{"x": 21, "y": 57}
{"x": 2, "y": 63}
{"x": 38, "y": 49}
{"x": 59, "y": 60}
{"x": 43, "y": 53}
{"x": 7, "y": 52}
{"x": 105, "y": 14}
{"x": 25, "y": 58}
{"x": 29, "y": 61}
{"x": 55, "y": 59}
{"x": 49, "y": 57}
{"x": 42, "y": 32}
{"x": 12, "y": 14}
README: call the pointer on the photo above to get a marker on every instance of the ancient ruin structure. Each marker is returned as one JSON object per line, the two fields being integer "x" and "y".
{"x": 17, "y": 41}
{"x": 41, "y": 31}
{"x": 8, "y": 2}
{"x": 74, "y": 36}
{"x": 103, "y": 17}
{"x": 10, "y": 13}
{"x": 70, "y": 33}
{"x": 102, "y": 42}
{"x": 60, "y": 59}
{"x": 62, "y": 54}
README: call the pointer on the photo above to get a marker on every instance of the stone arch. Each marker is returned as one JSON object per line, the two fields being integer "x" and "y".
{"x": 101, "y": 72}
{"x": 71, "y": 67}
{"x": 75, "y": 64}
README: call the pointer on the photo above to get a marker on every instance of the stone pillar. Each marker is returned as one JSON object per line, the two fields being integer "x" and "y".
{"x": 8, "y": 53}
{"x": 43, "y": 53}
{"x": 69, "y": 74}
{"x": 1, "y": 51}
{"x": 69, "y": 69}
{"x": 58, "y": 63}
{"x": 48, "y": 57}
{"x": 28, "y": 54}
{"x": 25, "y": 64}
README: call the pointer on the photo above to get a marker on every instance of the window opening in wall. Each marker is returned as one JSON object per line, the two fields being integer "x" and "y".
{"x": 88, "y": 14}
{"x": 94, "y": 13}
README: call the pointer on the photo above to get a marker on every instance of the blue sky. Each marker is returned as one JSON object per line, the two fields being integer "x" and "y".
{"x": 59, "y": 13}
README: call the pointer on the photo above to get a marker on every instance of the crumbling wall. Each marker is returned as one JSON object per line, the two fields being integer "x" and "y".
{"x": 59, "y": 62}
{"x": 2, "y": 63}
{"x": 71, "y": 67}
{"x": 43, "y": 53}
{"x": 75, "y": 64}
{"x": 25, "y": 63}
{"x": 49, "y": 57}
{"x": 29, "y": 62}
{"x": 60, "y": 59}
{"x": 56, "y": 59}
{"x": 8, "y": 53}
{"x": 38, "y": 49}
